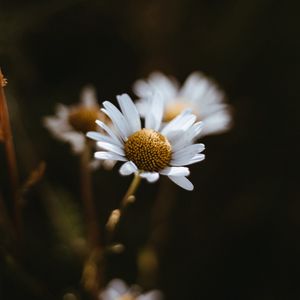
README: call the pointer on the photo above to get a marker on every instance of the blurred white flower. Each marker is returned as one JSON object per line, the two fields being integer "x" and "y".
{"x": 198, "y": 93}
{"x": 150, "y": 151}
{"x": 70, "y": 124}
{"x": 118, "y": 290}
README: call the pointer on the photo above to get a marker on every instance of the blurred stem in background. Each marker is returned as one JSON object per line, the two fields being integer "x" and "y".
{"x": 92, "y": 269}
{"x": 150, "y": 255}
{"x": 7, "y": 137}
{"x": 87, "y": 197}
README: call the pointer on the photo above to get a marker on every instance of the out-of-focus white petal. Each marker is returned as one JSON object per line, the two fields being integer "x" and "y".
{"x": 128, "y": 168}
{"x": 142, "y": 89}
{"x": 168, "y": 87}
{"x": 182, "y": 182}
{"x": 152, "y": 295}
{"x": 150, "y": 176}
{"x": 62, "y": 112}
{"x": 198, "y": 90}
{"x": 88, "y": 96}
{"x": 216, "y": 123}
{"x": 130, "y": 112}
{"x": 108, "y": 164}
{"x": 115, "y": 289}
{"x": 56, "y": 126}
{"x": 76, "y": 139}
{"x": 118, "y": 285}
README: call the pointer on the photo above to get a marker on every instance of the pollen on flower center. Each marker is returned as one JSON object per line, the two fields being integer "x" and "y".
{"x": 149, "y": 150}
{"x": 83, "y": 118}
{"x": 174, "y": 108}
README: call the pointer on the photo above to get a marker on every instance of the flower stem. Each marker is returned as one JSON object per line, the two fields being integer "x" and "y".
{"x": 11, "y": 157}
{"x": 87, "y": 197}
{"x": 128, "y": 198}
{"x": 131, "y": 190}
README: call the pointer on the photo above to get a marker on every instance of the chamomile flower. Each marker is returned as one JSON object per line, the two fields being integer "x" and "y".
{"x": 198, "y": 93}
{"x": 70, "y": 124}
{"x": 118, "y": 290}
{"x": 150, "y": 151}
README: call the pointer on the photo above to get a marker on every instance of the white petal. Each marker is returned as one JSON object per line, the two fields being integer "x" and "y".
{"x": 130, "y": 112}
{"x": 154, "y": 116}
{"x": 150, "y": 176}
{"x": 110, "y": 132}
{"x": 196, "y": 158}
{"x": 185, "y": 161}
{"x": 182, "y": 182}
{"x": 182, "y": 122}
{"x": 117, "y": 118}
{"x": 175, "y": 171}
{"x": 94, "y": 135}
{"x": 180, "y": 139}
{"x": 193, "y": 132}
{"x": 188, "y": 151}
{"x": 128, "y": 168}
{"x": 111, "y": 147}
{"x": 109, "y": 155}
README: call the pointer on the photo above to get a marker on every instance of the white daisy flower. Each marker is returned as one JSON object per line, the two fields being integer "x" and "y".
{"x": 70, "y": 124}
{"x": 198, "y": 93}
{"x": 150, "y": 151}
{"x": 118, "y": 290}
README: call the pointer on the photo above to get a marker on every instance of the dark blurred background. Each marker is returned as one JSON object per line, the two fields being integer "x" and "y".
{"x": 237, "y": 235}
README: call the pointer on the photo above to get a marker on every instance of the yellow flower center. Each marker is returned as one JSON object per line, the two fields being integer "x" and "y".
{"x": 83, "y": 118}
{"x": 175, "y": 108}
{"x": 149, "y": 150}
